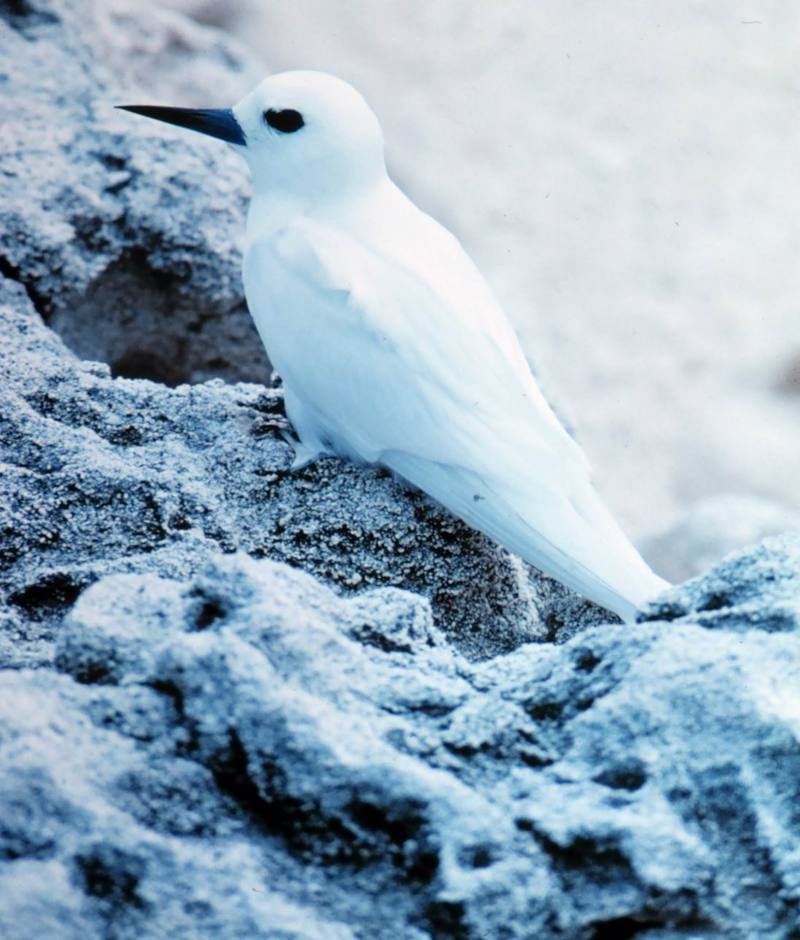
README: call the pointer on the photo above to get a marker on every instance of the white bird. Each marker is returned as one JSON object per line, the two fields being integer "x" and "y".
{"x": 391, "y": 346}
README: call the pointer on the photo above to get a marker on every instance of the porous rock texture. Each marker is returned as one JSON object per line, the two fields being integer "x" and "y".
{"x": 243, "y": 753}
{"x": 125, "y": 235}
{"x": 237, "y": 701}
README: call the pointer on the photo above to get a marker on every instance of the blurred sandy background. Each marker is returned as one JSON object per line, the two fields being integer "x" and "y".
{"x": 626, "y": 175}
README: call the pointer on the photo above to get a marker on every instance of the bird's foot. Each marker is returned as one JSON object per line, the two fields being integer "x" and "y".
{"x": 304, "y": 454}
{"x": 270, "y": 416}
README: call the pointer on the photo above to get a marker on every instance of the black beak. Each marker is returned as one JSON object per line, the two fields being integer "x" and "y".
{"x": 220, "y": 122}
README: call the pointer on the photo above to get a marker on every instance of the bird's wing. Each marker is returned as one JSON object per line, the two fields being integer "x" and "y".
{"x": 409, "y": 366}
{"x": 445, "y": 398}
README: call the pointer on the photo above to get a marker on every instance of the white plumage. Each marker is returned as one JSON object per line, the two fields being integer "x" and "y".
{"x": 393, "y": 350}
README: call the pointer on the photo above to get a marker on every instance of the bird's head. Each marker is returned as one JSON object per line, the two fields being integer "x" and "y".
{"x": 303, "y": 134}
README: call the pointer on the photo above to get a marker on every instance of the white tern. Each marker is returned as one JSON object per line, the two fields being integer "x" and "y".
{"x": 391, "y": 346}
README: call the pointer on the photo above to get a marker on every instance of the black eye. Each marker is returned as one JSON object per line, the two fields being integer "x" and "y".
{"x": 287, "y": 122}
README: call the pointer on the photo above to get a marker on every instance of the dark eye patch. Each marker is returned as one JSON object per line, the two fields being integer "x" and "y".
{"x": 286, "y": 121}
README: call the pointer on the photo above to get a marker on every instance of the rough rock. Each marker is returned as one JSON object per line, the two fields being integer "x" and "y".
{"x": 237, "y": 701}
{"x": 125, "y": 236}
{"x": 732, "y": 595}
{"x": 243, "y": 753}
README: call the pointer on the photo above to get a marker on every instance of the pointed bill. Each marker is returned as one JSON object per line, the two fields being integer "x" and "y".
{"x": 214, "y": 122}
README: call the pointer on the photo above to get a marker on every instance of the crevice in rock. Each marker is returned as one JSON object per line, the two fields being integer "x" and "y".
{"x": 146, "y": 324}
{"x": 404, "y": 825}
{"x": 446, "y": 920}
{"x": 587, "y": 861}
{"x": 111, "y": 875}
{"x": 642, "y": 923}
{"x": 586, "y": 660}
{"x": 127, "y": 319}
{"x": 26, "y": 18}
{"x": 628, "y": 776}
{"x": 49, "y": 595}
{"x": 716, "y": 601}
{"x": 361, "y": 834}
{"x": 13, "y": 273}
{"x": 623, "y": 928}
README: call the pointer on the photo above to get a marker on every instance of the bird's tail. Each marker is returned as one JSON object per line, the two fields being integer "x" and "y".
{"x": 609, "y": 568}
{"x": 573, "y": 539}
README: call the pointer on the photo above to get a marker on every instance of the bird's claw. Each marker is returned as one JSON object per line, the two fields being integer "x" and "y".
{"x": 304, "y": 454}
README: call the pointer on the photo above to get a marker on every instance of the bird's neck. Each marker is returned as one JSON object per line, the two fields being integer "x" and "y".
{"x": 272, "y": 209}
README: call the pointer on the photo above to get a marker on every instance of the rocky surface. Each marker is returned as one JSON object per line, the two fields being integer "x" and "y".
{"x": 126, "y": 237}
{"x": 237, "y": 701}
{"x": 242, "y": 753}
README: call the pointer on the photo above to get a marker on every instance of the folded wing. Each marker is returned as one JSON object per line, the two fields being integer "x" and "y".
{"x": 429, "y": 380}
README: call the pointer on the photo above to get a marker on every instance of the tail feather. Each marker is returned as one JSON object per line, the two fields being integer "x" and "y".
{"x": 572, "y": 539}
